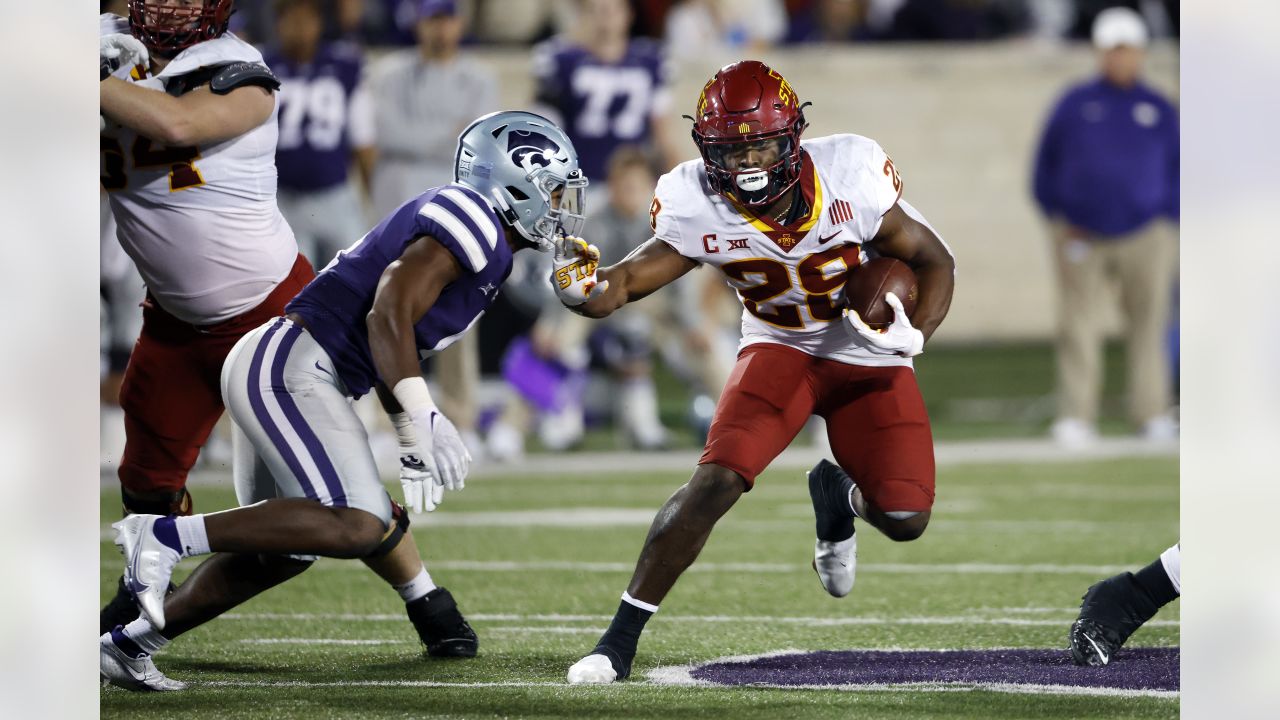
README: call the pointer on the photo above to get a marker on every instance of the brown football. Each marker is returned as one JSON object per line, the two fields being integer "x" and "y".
{"x": 867, "y": 284}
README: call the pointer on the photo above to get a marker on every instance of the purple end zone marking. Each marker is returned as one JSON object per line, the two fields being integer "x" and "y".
{"x": 1130, "y": 669}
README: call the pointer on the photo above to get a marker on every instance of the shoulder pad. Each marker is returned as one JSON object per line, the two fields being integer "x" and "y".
{"x": 230, "y": 77}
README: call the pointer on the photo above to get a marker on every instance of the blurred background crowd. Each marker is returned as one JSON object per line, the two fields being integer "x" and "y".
{"x": 1039, "y": 136}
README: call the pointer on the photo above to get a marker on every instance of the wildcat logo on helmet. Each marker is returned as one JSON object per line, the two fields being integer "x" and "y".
{"x": 531, "y": 150}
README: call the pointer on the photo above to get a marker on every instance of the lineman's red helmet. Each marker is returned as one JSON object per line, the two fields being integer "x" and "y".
{"x": 749, "y": 103}
{"x": 167, "y": 27}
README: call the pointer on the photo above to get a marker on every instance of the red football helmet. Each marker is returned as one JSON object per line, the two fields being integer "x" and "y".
{"x": 749, "y": 105}
{"x": 168, "y": 27}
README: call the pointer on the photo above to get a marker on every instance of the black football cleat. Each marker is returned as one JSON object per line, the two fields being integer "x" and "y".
{"x": 122, "y": 610}
{"x": 441, "y": 626}
{"x": 1112, "y": 610}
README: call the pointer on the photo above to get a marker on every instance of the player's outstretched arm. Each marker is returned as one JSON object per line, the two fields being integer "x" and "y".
{"x": 646, "y": 269}
{"x": 200, "y": 116}
{"x": 911, "y": 241}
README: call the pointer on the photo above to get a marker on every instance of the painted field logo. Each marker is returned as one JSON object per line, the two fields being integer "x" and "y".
{"x": 1137, "y": 671}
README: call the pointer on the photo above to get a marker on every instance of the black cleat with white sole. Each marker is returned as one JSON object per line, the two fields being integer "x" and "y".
{"x": 1111, "y": 611}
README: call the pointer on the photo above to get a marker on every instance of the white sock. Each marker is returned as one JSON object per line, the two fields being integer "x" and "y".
{"x": 1171, "y": 559}
{"x": 626, "y": 598}
{"x": 144, "y": 636}
{"x": 419, "y": 586}
{"x": 195, "y": 541}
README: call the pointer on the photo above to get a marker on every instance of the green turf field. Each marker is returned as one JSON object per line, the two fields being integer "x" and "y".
{"x": 1010, "y": 550}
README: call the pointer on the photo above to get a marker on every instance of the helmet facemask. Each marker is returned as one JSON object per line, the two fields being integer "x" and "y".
{"x": 168, "y": 27}
{"x": 757, "y": 183}
{"x": 565, "y": 216}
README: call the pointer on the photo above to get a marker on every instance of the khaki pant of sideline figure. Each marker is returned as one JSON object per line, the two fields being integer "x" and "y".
{"x": 1143, "y": 264}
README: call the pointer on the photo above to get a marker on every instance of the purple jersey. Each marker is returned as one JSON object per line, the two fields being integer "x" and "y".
{"x": 601, "y": 105}
{"x": 336, "y": 302}
{"x": 315, "y": 98}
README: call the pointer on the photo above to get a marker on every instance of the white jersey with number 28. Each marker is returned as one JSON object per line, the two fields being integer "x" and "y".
{"x": 790, "y": 280}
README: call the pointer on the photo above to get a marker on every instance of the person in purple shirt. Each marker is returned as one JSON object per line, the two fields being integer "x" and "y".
{"x": 604, "y": 88}
{"x": 326, "y": 122}
{"x": 1106, "y": 177}
{"x": 304, "y": 472}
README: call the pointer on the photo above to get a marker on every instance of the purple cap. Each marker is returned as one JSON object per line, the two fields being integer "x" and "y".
{"x": 433, "y": 8}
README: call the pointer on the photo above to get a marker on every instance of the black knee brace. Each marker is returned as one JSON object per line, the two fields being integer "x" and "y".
{"x": 175, "y": 503}
{"x": 399, "y": 525}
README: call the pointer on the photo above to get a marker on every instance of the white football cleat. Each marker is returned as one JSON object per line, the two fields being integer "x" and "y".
{"x": 116, "y": 667}
{"x": 148, "y": 564}
{"x": 836, "y": 563}
{"x": 592, "y": 670}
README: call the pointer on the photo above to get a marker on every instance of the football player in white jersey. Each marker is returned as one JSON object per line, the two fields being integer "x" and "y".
{"x": 188, "y": 160}
{"x": 785, "y": 222}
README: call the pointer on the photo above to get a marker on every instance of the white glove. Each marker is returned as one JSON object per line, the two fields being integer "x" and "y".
{"x": 421, "y": 490}
{"x": 432, "y": 440}
{"x": 442, "y": 451}
{"x": 120, "y": 50}
{"x": 900, "y": 337}
{"x": 573, "y": 273}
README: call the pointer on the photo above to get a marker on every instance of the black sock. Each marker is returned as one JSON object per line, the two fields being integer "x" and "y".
{"x": 1155, "y": 582}
{"x": 624, "y": 633}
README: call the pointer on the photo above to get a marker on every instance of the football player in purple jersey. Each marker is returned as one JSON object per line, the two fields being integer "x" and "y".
{"x": 304, "y": 472}
{"x": 326, "y": 123}
{"x": 605, "y": 88}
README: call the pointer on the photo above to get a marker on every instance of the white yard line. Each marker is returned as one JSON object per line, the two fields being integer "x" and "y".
{"x": 504, "y": 566}
{"x": 904, "y": 688}
{"x": 515, "y": 629}
{"x": 366, "y": 683}
{"x": 811, "y": 621}
{"x": 601, "y": 464}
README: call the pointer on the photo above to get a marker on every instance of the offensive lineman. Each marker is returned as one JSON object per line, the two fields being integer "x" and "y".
{"x": 188, "y": 148}
{"x": 188, "y": 163}
{"x": 784, "y": 222}
{"x": 305, "y": 475}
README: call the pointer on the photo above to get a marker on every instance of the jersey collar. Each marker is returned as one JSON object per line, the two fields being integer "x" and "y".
{"x": 788, "y": 236}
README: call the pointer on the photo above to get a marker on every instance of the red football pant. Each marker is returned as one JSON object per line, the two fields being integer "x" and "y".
{"x": 876, "y": 422}
{"x": 170, "y": 393}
